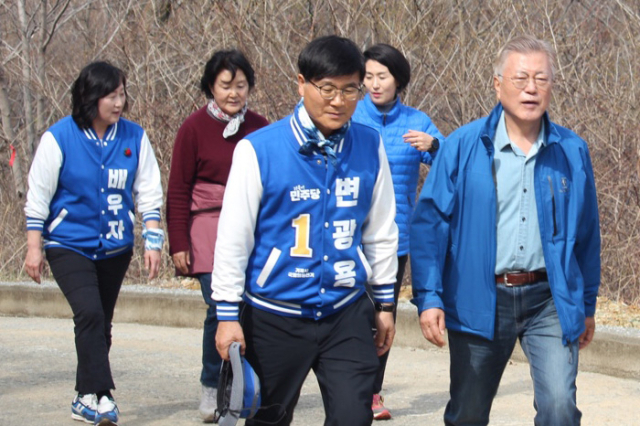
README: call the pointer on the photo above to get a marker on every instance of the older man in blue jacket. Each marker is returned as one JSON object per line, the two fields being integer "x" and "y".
{"x": 505, "y": 245}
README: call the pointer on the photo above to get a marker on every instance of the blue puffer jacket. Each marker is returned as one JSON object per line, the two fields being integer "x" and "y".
{"x": 453, "y": 234}
{"x": 404, "y": 160}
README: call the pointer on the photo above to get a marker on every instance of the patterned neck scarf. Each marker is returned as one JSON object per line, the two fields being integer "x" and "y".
{"x": 315, "y": 138}
{"x": 234, "y": 121}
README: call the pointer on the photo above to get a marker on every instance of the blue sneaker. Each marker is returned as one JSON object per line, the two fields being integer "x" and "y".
{"x": 84, "y": 408}
{"x": 107, "y": 413}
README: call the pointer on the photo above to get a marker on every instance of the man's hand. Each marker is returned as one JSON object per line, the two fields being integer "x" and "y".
{"x": 432, "y": 325}
{"x": 152, "y": 262}
{"x": 386, "y": 331}
{"x": 229, "y": 332}
{"x": 182, "y": 261}
{"x": 587, "y": 336}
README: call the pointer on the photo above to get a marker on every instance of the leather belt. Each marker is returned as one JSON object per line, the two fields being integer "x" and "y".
{"x": 521, "y": 278}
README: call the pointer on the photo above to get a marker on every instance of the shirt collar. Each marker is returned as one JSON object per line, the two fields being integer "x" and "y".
{"x": 501, "y": 138}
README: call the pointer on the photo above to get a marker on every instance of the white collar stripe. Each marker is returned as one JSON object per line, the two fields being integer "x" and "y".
{"x": 89, "y": 134}
{"x": 297, "y": 132}
{"x": 112, "y": 133}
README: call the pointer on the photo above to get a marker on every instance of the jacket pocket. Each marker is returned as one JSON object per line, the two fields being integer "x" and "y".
{"x": 365, "y": 263}
{"x": 268, "y": 267}
{"x": 58, "y": 220}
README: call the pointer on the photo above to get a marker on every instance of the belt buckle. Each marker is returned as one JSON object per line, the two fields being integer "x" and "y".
{"x": 506, "y": 280}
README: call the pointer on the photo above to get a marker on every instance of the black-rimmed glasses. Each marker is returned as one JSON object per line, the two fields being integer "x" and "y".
{"x": 329, "y": 91}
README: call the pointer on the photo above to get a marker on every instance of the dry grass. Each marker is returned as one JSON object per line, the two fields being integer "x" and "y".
{"x": 608, "y": 312}
{"x": 163, "y": 44}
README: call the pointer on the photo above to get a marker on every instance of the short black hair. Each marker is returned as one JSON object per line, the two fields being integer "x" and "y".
{"x": 330, "y": 56}
{"x": 95, "y": 81}
{"x": 230, "y": 60}
{"x": 393, "y": 59}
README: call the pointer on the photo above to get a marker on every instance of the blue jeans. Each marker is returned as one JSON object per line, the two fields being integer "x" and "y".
{"x": 211, "y": 360}
{"x": 527, "y": 313}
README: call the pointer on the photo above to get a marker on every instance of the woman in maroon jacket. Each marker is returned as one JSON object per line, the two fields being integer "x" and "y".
{"x": 199, "y": 170}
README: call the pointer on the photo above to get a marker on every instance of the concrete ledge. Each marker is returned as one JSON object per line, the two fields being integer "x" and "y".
{"x": 136, "y": 304}
{"x": 614, "y": 351}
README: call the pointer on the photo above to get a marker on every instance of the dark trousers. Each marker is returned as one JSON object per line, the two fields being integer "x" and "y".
{"x": 402, "y": 262}
{"x": 339, "y": 349}
{"x": 211, "y": 361}
{"x": 91, "y": 288}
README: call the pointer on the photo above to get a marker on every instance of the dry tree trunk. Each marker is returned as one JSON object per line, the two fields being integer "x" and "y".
{"x": 26, "y": 77}
{"x": 16, "y": 166}
{"x": 46, "y": 33}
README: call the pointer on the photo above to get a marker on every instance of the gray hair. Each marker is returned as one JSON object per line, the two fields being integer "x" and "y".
{"x": 525, "y": 44}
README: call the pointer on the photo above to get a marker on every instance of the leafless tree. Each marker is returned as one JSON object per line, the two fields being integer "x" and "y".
{"x": 163, "y": 45}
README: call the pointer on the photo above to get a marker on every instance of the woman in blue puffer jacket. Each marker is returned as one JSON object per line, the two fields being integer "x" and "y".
{"x": 409, "y": 138}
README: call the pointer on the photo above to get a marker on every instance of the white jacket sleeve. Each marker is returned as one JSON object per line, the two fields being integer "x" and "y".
{"x": 147, "y": 186}
{"x": 43, "y": 181}
{"x": 237, "y": 225}
{"x": 380, "y": 232}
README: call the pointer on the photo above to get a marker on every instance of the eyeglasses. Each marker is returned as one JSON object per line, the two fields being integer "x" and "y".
{"x": 520, "y": 81}
{"x": 329, "y": 91}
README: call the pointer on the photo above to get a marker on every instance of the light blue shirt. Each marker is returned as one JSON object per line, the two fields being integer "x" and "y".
{"x": 519, "y": 247}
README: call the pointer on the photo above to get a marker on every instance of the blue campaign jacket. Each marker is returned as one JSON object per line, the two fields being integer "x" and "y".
{"x": 404, "y": 160}
{"x": 453, "y": 237}
{"x": 92, "y": 210}
{"x": 321, "y": 231}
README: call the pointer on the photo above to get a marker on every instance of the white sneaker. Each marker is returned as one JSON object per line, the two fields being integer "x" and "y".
{"x": 107, "y": 414}
{"x": 84, "y": 408}
{"x": 208, "y": 403}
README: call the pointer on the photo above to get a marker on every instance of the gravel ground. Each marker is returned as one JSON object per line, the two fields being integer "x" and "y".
{"x": 156, "y": 370}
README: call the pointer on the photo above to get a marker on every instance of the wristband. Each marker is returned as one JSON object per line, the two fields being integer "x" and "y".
{"x": 435, "y": 145}
{"x": 153, "y": 238}
{"x": 385, "y": 307}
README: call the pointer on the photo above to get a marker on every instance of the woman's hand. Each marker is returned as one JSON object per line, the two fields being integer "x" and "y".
{"x": 34, "y": 262}
{"x": 182, "y": 261}
{"x": 152, "y": 262}
{"x": 419, "y": 140}
{"x": 153, "y": 248}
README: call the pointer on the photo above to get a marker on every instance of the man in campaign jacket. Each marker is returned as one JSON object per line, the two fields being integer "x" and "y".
{"x": 308, "y": 220}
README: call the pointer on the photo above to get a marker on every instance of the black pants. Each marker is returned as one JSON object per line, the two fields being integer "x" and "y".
{"x": 339, "y": 349}
{"x": 91, "y": 288}
{"x": 402, "y": 262}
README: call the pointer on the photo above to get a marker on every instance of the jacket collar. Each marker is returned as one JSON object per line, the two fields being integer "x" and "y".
{"x": 301, "y": 137}
{"x": 378, "y": 116}
{"x": 491, "y": 124}
{"x": 109, "y": 134}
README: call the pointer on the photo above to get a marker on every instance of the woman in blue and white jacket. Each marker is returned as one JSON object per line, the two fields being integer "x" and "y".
{"x": 88, "y": 170}
{"x": 409, "y": 138}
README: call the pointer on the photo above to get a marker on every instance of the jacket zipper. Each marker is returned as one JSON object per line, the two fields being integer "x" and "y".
{"x": 553, "y": 207}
